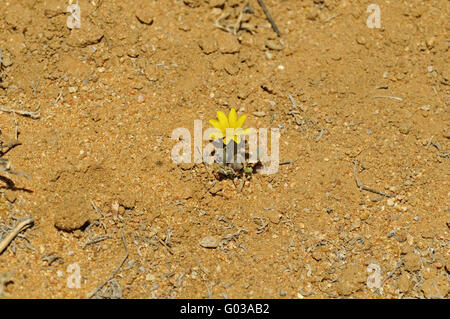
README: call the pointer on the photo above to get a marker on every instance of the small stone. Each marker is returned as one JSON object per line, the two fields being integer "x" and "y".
{"x": 259, "y": 114}
{"x": 73, "y": 213}
{"x": 434, "y": 288}
{"x": 412, "y": 262}
{"x": 430, "y": 43}
{"x": 390, "y": 202}
{"x": 140, "y": 99}
{"x": 364, "y": 214}
{"x": 89, "y": 34}
{"x": 425, "y": 108}
{"x": 216, "y": 189}
{"x": 403, "y": 282}
{"x": 228, "y": 44}
{"x": 73, "y": 89}
{"x": 208, "y": 45}
{"x": 361, "y": 40}
{"x": 401, "y": 237}
{"x": 350, "y": 280}
{"x": 7, "y": 60}
{"x": 269, "y": 55}
{"x": 437, "y": 265}
{"x": 391, "y": 234}
{"x": 232, "y": 68}
{"x": 209, "y": 242}
{"x": 274, "y": 45}
{"x": 282, "y": 293}
{"x": 273, "y": 216}
{"x": 132, "y": 53}
{"x": 404, "y": 129}
{"x": 10, "y": 196}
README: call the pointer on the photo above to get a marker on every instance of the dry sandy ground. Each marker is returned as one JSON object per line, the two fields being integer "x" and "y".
{"x": 108, "y": 202}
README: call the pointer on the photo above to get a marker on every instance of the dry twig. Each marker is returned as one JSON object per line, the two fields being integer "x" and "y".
{"x": 361, "y": 186}
{"x": 269, "y": 17}
{"x": 92, "y": 294}
{"x": 27, "y": 222}
{"x": 34, "y": 115}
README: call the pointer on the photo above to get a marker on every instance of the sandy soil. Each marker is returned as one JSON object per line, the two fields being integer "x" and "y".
{"x": 109, "y": 203}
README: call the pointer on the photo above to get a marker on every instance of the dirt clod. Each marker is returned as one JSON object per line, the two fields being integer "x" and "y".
{"x": 73, "y": 213}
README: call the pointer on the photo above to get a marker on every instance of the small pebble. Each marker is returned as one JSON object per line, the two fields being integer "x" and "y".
{"x": 209, "y": 242}
{"x": 282, "y": 293}
{"x": 259, "y": 114}
{"x": 140, "y": 99}
{"x": 391, "y": 234}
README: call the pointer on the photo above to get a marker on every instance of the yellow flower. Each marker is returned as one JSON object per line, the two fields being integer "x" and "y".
{"x": 229, "y": 128}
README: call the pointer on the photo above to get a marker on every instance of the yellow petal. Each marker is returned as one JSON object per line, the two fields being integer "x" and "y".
{"x": 232, "y": 118}
{"x": 237, "y": 139}
{"x": 215, "y": 135}
{"x": 217, "y": 125}
{"x": 222, "y": 120}
{"x": 241, "y": 121}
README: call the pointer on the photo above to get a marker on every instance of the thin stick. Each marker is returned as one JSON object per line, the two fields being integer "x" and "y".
{"x": 27, "y": 222}
{"x": 96, "y": 209}
{"x": 269, "y": 17}
{"x": 97, "y": 240}
{"x": 318, "y": 138}
{"x": 361, "y": 186}
{"x": 165, "y": 245}
{"x": 388, "y": 97}
{"x": 389, "y": 275}
{"x": 34, "y": 115}
{"x": 115, "y": 271}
